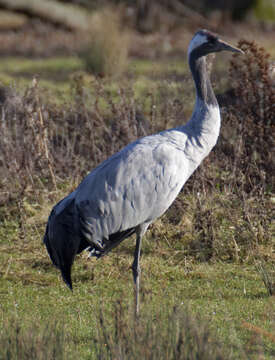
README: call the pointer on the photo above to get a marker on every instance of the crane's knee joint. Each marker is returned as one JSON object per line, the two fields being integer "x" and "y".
{"x": 136, "y": 270}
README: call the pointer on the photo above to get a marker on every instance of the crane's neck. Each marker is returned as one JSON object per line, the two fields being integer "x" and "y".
{"x": 204, "y": 126}
{"x": 201, "y": 78}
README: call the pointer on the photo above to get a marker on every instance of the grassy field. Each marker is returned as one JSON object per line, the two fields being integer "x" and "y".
{"x": 228, "y": 296}
{"x": 203, "y": 263}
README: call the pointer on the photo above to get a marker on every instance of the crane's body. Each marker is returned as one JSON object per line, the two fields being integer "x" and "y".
{"x": 131, "y": 189}
{"x": 139, "y": 183}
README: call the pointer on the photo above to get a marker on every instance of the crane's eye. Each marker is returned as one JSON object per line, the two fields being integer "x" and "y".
{"x": 212, "y": 40}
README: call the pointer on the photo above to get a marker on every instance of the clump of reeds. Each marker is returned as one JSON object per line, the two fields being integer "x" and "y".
{"x": 32, "y": 342}
{"x": 267, "y": 273}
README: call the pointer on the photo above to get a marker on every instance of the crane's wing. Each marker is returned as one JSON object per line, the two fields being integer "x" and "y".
{"x": 133, "y": 187}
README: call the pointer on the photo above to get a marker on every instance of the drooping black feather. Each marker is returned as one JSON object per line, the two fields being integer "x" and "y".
{"x": 113, "y": 241}
{"x": 62, "y": 241}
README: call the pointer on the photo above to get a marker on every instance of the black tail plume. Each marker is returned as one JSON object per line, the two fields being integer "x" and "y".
{"x": 61, "y": 240}
{"x": 66, "y": 276}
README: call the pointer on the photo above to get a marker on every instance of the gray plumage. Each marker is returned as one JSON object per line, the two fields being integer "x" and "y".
{"x": 135, "y": 186}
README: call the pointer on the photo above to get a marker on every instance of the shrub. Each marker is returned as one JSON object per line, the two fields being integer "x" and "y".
{"x": 253, "y": 117}
{"x": 107, "y": 52}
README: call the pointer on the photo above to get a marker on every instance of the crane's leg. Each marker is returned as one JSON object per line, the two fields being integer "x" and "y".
{"x": 136, "y": 271}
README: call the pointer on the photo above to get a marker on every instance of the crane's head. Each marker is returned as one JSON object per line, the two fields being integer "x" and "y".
{"x": 205, "y": 42}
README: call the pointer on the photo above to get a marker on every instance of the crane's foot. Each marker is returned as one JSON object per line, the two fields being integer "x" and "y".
{"x": 93, "y": 252}
{"x": 98, "y": 252}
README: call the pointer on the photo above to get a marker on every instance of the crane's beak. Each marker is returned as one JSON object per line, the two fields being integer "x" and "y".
{"x": 227, "y": 47}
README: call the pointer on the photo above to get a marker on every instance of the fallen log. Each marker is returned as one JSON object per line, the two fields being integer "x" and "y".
{"x": 11, "y": 21}
{"x": 70, "y": 16}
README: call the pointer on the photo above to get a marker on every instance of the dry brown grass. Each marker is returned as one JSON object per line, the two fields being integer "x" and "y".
{"x": 225, "y": 210}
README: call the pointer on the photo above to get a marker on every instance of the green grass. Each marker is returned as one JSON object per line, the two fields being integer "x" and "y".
{"x": 225, "y": 294}
{"x": 54, "y": 74}
{"x": 57, "y": 74}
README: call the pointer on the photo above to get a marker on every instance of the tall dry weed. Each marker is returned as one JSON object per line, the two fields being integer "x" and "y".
{"x": 254, "y": 117}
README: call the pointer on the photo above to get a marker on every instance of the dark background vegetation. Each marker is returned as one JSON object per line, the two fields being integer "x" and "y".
{"x": 81, "y": 79}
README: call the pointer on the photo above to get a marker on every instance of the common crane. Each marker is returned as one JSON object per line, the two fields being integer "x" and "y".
{"x": 132, "y": 188}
